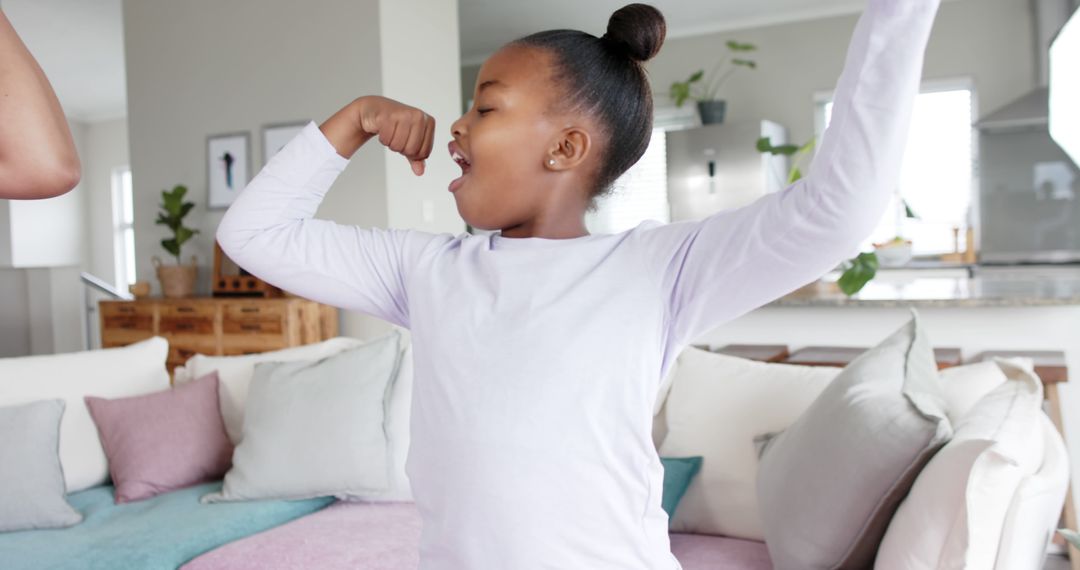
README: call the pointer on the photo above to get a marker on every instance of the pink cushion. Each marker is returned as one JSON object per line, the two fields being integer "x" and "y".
{"x": 163, "y": 441}
{"x": 386, "y": 536}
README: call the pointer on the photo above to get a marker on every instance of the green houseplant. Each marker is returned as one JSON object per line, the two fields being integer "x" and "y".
{"x": 704, "y": 89}
{"x": 859, "y": 270}
{"x": 176, "y": 280}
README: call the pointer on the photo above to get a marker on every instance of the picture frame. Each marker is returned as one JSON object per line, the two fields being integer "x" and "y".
{"x": 277, "y": 135}
{"x": 228, "y": 167}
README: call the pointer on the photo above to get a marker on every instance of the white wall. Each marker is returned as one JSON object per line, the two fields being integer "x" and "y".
{"x": 201, "y": 67}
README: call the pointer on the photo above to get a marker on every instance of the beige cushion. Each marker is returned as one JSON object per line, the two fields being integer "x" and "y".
{"x": 716, "y": 405}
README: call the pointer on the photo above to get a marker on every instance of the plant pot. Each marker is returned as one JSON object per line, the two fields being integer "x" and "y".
{"x": 712, "y": 112}
{"x": 177, "y": 281}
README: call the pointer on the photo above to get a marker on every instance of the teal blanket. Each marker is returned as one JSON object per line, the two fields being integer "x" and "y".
{"x": 163, "y": 532}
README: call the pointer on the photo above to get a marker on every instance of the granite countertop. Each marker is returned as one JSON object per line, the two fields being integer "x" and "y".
{"x": 977, "y": 291}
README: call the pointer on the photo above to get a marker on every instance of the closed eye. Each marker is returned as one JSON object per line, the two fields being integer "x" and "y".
{"x": 482, "y": 111}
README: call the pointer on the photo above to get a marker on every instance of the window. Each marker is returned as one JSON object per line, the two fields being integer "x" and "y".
{"x": 641, "y": 192}
{"x": 123, "y": 228}
{"x": 936, "y": 178}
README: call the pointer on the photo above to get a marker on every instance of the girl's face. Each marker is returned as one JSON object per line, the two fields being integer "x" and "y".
{"x": 508, "y": 138}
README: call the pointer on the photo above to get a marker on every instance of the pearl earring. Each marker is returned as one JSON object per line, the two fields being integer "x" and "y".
{"x": 551, "y": 162}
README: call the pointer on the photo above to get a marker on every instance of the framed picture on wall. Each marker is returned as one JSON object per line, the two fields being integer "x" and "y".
{"x": 228, "y": 159}
{"x": 276, "y": 136}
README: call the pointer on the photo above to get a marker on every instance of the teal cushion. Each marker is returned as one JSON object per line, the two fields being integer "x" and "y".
{"x": 678, "y": 472}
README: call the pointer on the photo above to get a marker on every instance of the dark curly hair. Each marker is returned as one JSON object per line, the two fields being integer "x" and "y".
{"x": 605, "y": 78}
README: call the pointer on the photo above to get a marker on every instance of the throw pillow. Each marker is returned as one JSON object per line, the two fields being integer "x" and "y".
{"x": 957, "y": 507}
{"x": 853, "y": 456}
{"x": 31, "y": 478}
{"x": 317, "y": 428}
{"x": 678, "y": 472}
{"x": 137, "y": 368}
{"x": 235, "y": 373}
{"x": 716, "y": 405}
{"x": 163, "y": 441}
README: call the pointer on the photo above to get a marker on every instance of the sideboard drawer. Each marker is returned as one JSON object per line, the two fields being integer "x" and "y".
{"x": 248, "y": 311}
{"x": 121, "y": 337}
{"x": 189, "y": 310}
{"x": 126, "y": 309}
{"x": 129, "y": 322}
{"x": 185, "y": 325}
{"x": 252, "y": 327}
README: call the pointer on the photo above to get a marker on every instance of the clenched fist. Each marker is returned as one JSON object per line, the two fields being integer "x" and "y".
{"x": 401, "y": 128}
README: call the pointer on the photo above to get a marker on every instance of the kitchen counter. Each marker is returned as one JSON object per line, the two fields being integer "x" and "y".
{"x": 990, "y": 287}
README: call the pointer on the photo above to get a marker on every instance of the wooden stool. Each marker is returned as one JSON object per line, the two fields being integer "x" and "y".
{"x": 1051, "y": 369}
{"x": 841, "y": 356}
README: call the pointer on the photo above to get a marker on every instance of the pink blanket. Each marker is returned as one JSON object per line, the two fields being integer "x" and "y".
{"x": 384, "y": 536}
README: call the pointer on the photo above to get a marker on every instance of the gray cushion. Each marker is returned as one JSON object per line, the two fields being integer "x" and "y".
{"x": 316, "y": 428}
{"x": 829, "y": 484}
{"x": 32, "y": 492}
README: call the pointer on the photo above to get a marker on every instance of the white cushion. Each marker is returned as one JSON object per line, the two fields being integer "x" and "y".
{"x": 1036, "y": 507}
{"x": 317, "y": 428}
{"x": 235, "y": 373}
{"x": 962, "y": 386}
{"x": 131, "y": 370}
{"x": 955, "y": 512}
{"x": 717, "y": 404}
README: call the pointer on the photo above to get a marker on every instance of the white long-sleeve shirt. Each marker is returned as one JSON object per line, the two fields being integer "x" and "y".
{"x": 538, "y": 361}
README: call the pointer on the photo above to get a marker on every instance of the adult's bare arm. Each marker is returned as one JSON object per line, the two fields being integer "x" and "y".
{"x": 37, "y": 153}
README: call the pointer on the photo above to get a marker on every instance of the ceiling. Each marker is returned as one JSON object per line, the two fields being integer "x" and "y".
{"x": 488, "y": 24}
{"x": 79, "y": 43}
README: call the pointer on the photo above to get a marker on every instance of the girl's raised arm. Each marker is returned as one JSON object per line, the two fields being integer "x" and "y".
{"x": 713, "y": 270}
{"x": 270, "y": 231}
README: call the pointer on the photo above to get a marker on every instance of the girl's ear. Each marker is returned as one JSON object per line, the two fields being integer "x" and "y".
{"x": 570, "y": 149}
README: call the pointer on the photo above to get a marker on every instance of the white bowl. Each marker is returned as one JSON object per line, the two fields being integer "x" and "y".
{"x": 893, "y": 255}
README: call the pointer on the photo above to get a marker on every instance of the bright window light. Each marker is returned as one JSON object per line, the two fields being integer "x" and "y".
{"x": 936, "y": 178}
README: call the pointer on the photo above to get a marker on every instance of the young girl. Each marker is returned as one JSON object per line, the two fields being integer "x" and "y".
{"x": 540, "y": 350}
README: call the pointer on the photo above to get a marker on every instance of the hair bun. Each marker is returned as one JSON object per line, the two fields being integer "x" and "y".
{"x": 638, "y": 29}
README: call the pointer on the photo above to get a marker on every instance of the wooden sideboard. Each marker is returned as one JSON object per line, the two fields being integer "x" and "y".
{"x": 217, "y": 325}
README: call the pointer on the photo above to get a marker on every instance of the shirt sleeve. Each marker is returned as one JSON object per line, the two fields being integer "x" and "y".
{"x": 712, "y": 270}
{"x": 270, "y": 231}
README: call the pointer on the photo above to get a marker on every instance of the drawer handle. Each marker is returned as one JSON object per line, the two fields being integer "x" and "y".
{"x": 185, "y": 309}
{"x": 251, "y": 327}
{"x": 184, "y": 326}
{"x": 249, "y": 310}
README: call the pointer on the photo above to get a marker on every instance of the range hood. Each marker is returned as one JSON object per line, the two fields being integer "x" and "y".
{"x": 1033, "y": 109}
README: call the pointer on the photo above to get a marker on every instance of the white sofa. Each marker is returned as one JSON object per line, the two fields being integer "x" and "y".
{"x": 138, "y": 369}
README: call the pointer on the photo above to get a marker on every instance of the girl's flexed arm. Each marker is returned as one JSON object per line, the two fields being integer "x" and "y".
{"x": 712, "y": 270}
{"x": 37, "y": 153}
{"x": 270, "y": 229}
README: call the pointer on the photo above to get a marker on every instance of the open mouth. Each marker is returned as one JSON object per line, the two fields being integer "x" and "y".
{"x": 461, "y": 161}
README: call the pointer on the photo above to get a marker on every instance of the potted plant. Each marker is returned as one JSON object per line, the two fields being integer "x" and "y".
{"x": 859, "y": 270}
{"x": 176, "y": 280}
{"x": 704, "y": 89}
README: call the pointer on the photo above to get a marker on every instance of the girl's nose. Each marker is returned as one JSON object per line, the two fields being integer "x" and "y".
{"x": 457, "y": 128}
